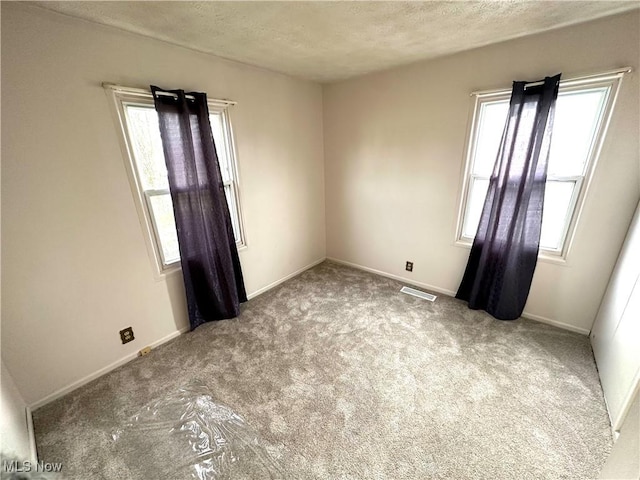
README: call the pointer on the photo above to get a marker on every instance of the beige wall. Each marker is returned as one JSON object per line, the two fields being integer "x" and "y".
{"x": 76, "y": 269}
{"x": 394, "y": 150}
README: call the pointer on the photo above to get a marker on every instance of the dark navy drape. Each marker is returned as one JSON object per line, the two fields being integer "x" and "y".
{"x": 210, "y": 264}
{"x": 505, "y": 250}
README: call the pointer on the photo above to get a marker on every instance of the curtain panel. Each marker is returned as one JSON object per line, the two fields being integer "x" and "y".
{"x": 209, "y": 256}
{"x": 505, "y": 249}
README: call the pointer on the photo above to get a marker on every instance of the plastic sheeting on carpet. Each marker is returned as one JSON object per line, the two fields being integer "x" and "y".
{"x": 186, "y": 434}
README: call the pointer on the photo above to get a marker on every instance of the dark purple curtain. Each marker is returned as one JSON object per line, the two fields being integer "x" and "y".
{"x": 505, "y": 250}
{"x": 210, "y": 264}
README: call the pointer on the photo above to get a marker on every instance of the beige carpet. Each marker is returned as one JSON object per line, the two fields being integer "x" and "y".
{"x": 343, "y": 377}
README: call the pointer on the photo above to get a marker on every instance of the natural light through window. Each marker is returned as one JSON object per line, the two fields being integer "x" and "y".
{"x": 581, "y": 114}
{"x": 139, "y": 122}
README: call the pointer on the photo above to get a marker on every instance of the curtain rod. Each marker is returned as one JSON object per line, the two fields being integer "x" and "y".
{"x": 147, "y": 93}
{"x": 174, "y": 95}
{"x": 609, "y": 73}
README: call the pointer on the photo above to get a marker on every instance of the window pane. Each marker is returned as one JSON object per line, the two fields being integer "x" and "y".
{"x": 576, "y": 118}
{"x": 493, "y": 116}
{"x": 144, "y": 132}
{"x": 477, "y": 194}
{"x": 233, "y": 210}
{"x": 557, "y": 201}
{"x": 162, "y": 211}
{"x": 221, "y": 146}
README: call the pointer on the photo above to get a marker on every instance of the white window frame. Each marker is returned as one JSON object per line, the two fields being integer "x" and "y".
{"x": 612, "y": 81}
{"x": 121, "y": 97}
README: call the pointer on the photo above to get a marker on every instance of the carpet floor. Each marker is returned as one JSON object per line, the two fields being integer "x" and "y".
{"x": 344, "y": 377}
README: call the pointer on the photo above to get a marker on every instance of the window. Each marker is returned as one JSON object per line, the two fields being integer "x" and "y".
{"x": 582, "y": 112}
{"x": 146, "y": 165}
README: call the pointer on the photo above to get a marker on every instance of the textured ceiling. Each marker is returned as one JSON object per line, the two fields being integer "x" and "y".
{"x": 328, "y": 41}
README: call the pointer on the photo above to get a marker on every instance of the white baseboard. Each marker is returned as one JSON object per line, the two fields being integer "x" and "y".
{"x": 284, "y": 279}
{"x": 98, "y": 373}
{"x": 451, "y": 293}
{"x": 555, "y": 323}
{"x": 92, "y": 376}
{"x": 33, "y": 451}
{"x": 617, "y": 423}
{"x": 410, "y": 281}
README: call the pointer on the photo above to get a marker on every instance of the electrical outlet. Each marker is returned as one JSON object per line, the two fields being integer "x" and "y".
{"x": 409, "y": 267}
{"x": 145, "y": 351}
{"x": 126, "y": 335}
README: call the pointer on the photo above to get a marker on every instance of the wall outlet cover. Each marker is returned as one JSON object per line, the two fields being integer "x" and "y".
{"x": 126, "y": 335}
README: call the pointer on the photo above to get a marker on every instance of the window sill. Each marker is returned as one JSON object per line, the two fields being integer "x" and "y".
{"x": 542, "y": 257}
{"x": 169, "y": 270}
{"x": 550, "y": 258}
{"x": 174, "y": 268}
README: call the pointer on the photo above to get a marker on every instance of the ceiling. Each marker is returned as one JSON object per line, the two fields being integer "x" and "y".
{"x": 330, "y": 41}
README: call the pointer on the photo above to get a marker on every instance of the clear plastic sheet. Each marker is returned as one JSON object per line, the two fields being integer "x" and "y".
{"x": 187, "y": 435}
